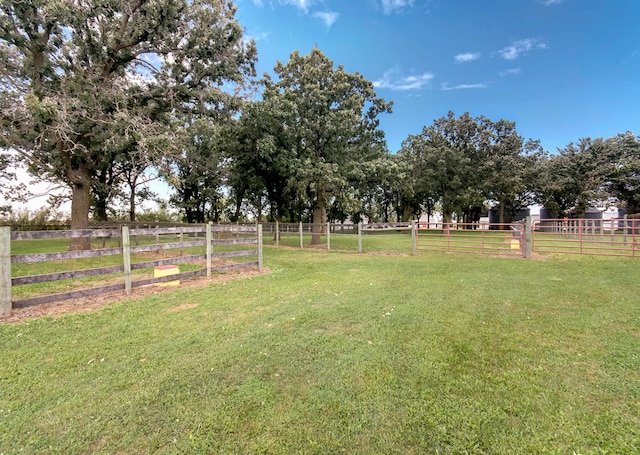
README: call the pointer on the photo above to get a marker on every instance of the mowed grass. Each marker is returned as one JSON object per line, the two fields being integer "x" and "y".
{"x": 341, "y": 353}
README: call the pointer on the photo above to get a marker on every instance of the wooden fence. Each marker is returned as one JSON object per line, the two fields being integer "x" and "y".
{"x": 303, "y": 233}
{"x": 202, "y": 235}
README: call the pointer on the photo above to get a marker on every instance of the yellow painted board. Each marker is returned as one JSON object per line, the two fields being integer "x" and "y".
{"x": 166, "y": 270}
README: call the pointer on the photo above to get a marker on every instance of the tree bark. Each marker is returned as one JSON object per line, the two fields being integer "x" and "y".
{"x": 80, "y": 202}
{"x": 132, "y": 205}
{"x": 319, "y": 219}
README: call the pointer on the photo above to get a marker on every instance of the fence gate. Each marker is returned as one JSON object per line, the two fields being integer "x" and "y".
{"x": 614, "y": 237}
{"x": 476, "y": 238}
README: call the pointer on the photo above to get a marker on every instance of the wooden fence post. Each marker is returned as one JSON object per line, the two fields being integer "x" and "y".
{"x": 414, "y": 242}
{"x": 360, "y": 237}
{"x": 328, "y": 236}
{"x": 209, "y": 241}
{"x": 260, "y": 247}
{"x": 301, "y": 241}
{"x": 277, "y": 233}
{"x": 126, "y": 258}
{"x": 5, "y": 271}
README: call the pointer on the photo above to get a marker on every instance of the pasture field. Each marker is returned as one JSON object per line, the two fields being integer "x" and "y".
{"x": 341, "y": 353}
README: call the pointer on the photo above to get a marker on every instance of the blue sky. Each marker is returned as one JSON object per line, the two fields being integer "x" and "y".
{"x": 561, "y": 69}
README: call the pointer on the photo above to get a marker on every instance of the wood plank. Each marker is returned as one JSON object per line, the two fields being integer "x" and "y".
{"x": 231, "y": 254}
{"x": 233, "y": 228}
{"x": 22, "y": 303}
{"x": 174, "y": 277}
{"x": 41, "y": 257}
{"x": 167, "y": 246}
{"x": 169, "y": 230}
{"x": 169, "y": 261}
{"x": 77, "y": 233}
{"x": 31, "y": 279}
{"x": 252, "y": 241}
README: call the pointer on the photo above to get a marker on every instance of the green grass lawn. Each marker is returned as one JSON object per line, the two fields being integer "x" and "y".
{"x": 341, "y": 353}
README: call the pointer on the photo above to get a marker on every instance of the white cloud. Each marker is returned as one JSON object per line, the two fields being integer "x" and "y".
{"x": 518, "y": 48}
{"x": 467, "y": 57}
{"x": 328, "y": 17}
{"x": 300, "y": 4}
{"x": 445, "y": 87}
{"x": 392, "y": 6}
{"x": 551, "y": 2}
{"x": 258, "y": 3}
{"x": 403, "y": 83}
{"x": 511, "y": 72}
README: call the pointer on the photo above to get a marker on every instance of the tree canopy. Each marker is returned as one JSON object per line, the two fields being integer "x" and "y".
{"x": 86, "y": 83}
{"x": 94, "y": 94}
{"x": 315, "y": 133}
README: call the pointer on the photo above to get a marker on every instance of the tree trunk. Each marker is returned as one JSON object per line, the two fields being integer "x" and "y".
{"x": 80, "y": 198}
{"x": 132, "y": 205}
{"x": 100, "y": 210}
{"x": 319, "y": 220}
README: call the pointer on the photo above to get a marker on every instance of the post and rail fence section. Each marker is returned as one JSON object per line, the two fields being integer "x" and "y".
{"x": 212, "y": 237}
{"x": 615, "y": 237}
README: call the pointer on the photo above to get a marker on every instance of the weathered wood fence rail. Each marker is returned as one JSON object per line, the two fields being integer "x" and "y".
{"x": 203, "y": 234}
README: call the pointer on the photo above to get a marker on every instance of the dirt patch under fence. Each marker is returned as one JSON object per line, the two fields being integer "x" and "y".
{"x": 92, "y": 303}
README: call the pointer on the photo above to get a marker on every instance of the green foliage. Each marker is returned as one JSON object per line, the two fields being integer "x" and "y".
{"x": 332, "y": 353}
{"x": 464, "y": 162}
{"x": 313, "y": 137}
{"x": 26, "y": 219}
{"x": 198, "y": 173}
{"x": 622, "y": 170}
{"x": 98, "y": 83}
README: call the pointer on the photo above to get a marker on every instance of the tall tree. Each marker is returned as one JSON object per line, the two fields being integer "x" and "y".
{"x": 262, "y": 159}
{"x": 622, "y": 170}
{"x": 197, "y": 175}
{"x": 448, "y": 157}
{"x": 330, "y": 120}
{"x": 573, "y": 179}
{"x": 508, "y": 165}
{"x": 79, "y": 74}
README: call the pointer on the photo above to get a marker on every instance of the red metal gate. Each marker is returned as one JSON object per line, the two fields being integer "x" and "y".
{"x": 477, "y": 238}
{"x": 614, "y": 237}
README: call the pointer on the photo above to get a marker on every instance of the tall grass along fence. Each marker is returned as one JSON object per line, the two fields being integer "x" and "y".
{"x": 374, "y": 237}
{"x": 123, "y": 253}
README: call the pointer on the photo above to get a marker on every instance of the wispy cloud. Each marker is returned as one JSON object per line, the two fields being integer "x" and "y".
{"x": 258, "y": 3}
{"x": 300, "y": 4}
{"x": 391, "y": 81}
{"x": 392, "y": 6}
{"x": 446, "y": 87}
{"x": 327, "y": 17}
{"x": 467, "y": 57}
{"x": 551, "y": 2}
{"x": 510, "y": 72}
{"x": 519, "y": 48}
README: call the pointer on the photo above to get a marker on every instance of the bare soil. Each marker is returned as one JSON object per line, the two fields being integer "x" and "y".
{"x": 93, "y": 303}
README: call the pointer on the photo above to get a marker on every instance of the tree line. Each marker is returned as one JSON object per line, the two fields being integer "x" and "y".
{"x": 104, "y": 96}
